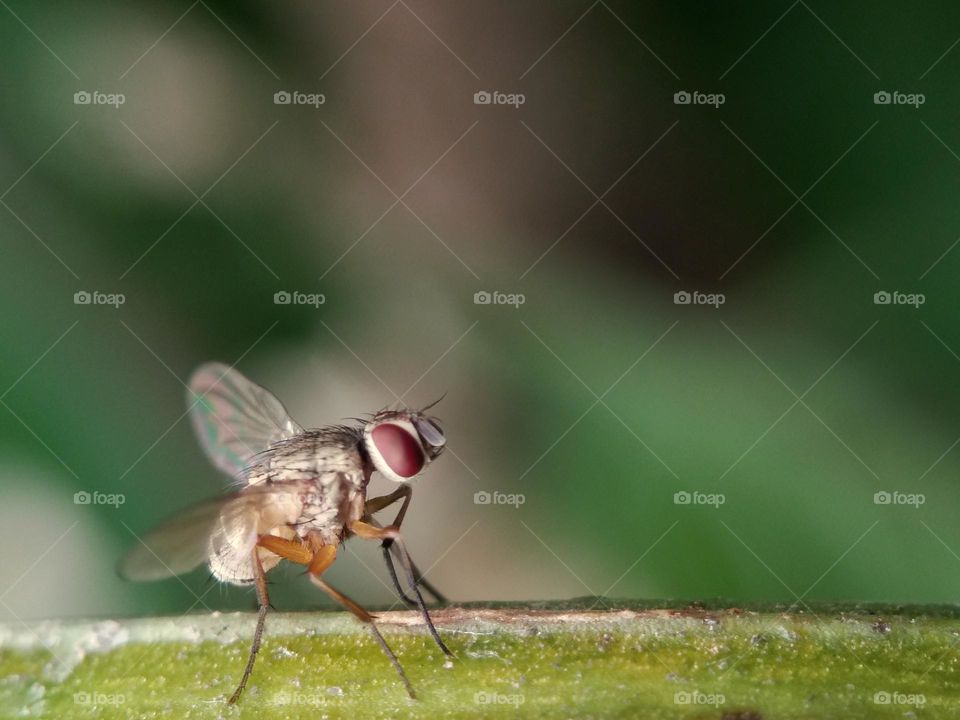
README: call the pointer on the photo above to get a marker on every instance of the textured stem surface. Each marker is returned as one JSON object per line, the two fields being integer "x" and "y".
{"x": 585, "y": 658}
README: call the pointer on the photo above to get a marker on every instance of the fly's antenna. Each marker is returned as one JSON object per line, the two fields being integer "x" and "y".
{"x": 424, "y": 409}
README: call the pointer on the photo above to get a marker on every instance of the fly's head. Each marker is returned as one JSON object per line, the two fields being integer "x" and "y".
{"x": 401, "y": 443}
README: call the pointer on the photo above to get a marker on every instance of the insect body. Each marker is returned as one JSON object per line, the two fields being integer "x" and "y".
{"x": 301, "y": 494}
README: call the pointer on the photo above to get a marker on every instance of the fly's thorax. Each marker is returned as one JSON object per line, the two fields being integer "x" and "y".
{"x": 308, "y": 456}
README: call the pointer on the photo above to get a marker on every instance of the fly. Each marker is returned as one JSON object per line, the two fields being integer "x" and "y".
{"x": 299, "y": 494}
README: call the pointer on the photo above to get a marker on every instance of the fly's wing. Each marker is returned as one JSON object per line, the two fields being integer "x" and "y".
{"x": 227, "y": 526}
{"x": 235, "y": 418}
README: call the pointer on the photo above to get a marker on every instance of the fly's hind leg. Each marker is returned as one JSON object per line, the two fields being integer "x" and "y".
{"x": 292, "y": 550}
{"x": 260, "y": 582}
{"x": 323, "y": 559}
{"x": 377, "y": 504}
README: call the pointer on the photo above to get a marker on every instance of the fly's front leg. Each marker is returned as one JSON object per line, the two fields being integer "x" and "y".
{"x": 377, "y": 504}
{"x": 371, "y": 532}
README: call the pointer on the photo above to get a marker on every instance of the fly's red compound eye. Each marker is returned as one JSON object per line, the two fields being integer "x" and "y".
{"x": 400, "y": 450}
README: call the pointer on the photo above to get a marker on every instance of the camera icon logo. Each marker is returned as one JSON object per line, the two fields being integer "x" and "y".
{"x": 881, "y": 698}
{"x": 882, "y": 498}
{"x": 482, "y": 97}
{"x": 482, "y": 498}
{"x": 81, "y": 698}
{"x": 682, "y": 98}
{"x": 482, "y": 297}
{"x": 82, "y": 497}
{"x": 682, "y": 498}
{"x": 82, "y": 297}
{"x": 681, "y": 298}
{"x": 82, "y": 98}
{"x": 282, "y": 297}
{"x": 282, "y": 97}
{"x": 881, "y": 298}
{"x": 882, "y": 98}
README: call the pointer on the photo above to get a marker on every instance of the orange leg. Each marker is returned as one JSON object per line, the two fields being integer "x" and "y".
{"x": 325, "y": 555}
{"x": 294, "y": 551}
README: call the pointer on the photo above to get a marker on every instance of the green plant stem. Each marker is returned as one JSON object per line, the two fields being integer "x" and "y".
{"x": 585, "y": 658}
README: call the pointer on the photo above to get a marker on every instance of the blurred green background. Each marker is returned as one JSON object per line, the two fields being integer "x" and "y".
{"x": 599, "y": 198}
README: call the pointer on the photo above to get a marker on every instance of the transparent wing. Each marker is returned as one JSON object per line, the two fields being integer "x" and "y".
{"x": 227, "y": 525}
{"x": 235, "y": 418}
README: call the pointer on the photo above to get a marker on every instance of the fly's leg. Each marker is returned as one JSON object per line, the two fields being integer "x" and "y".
{"x": 370, "y": 532}
{"x": 292, "y": 550}
{"x": 324, "y": 559}
{"x": 317, "y": 558}
{"x": 260, "y": 581}
{"x": 379, "y": 503}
